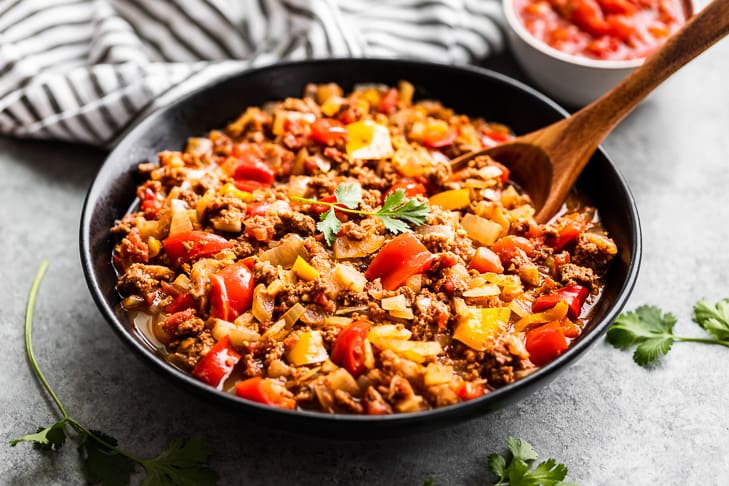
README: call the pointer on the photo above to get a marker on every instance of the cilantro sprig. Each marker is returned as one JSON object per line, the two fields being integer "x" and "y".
{"x": 397, "y": 212}
{"x": 519, "y": 470}
{"x": 651, "y": 331}
{"x": 181, "y": 463}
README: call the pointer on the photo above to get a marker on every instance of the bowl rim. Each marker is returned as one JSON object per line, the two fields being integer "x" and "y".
{"x": 516, "y": 26}
{"x": 461, "y": 411}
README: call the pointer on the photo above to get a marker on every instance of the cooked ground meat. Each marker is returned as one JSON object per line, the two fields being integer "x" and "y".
{"x": 322, "y": 253}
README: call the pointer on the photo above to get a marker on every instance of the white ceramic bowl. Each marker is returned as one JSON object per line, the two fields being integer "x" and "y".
{"x": 573, "y": 80}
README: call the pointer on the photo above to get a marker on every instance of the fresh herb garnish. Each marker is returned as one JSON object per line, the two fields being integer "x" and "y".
{"x": 651, "y": 331}
{"x": 182, "y": 462}
{"x": 397, "y": 212}
{"x": 518, "y": 470}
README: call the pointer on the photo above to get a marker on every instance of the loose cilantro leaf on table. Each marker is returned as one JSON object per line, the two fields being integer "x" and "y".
{"x": 397, "y": 213}
{"x": 651, "y": 331}
{"x": 182, "y": 463}
{"x": 517, "y": 471}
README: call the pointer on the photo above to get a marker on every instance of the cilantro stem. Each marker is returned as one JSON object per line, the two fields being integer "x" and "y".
{"x": 29, "y": 340}
{"x": 336, "y": 205}
{"x": 702, "y": 340}
{"x": 29, "y": 310}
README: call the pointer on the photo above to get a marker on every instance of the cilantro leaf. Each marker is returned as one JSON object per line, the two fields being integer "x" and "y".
{"x": 518, "y": 471}
{"x": 329, "y": 225}
{"x": 50, "y": 438}
{"x": 101, "y": 463}
{"x": 648, "y": 329}
{"x": 396, "y": 212}
{"x": 393, "y": 225}
{"x": 521, "y": 449}
{"x": 182, "y": 463}
{"x": 713, "y": 318}
{"x": 348, "y": 195}
{"x": 393, "y": 200}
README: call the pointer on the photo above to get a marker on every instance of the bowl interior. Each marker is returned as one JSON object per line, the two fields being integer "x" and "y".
{"x": 515, "y": 24}
{"x": 472, "y": 91}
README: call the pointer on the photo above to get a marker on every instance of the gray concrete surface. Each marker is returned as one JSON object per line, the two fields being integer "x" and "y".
{"x": 610, "y": 421}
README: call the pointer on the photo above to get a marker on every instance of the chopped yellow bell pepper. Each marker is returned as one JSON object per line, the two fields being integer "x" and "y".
{"x": 556, "y": 313}
{"x": 229, "y": 189}
{"x": 368, "y": 140}
{"x": 309, "y": 349}
{"x": 303, "y": 270}
{"x": 453, "y": 199}
{"x": 478, "y": 328}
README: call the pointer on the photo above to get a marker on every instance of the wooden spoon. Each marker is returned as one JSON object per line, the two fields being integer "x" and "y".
{"x": 548, "y": 161}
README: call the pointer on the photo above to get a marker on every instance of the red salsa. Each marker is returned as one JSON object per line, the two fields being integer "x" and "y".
{"x": 602, "y": 29}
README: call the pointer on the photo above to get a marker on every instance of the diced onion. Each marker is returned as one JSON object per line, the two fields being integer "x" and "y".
{"x": 437, "y": 374}
{"x": 487, "y": 290}
{"x": 345, "y": 248}
{"x": 239, "y": 336}
{"x": 263, "y": 304}
{"x": 397, "y": 303}
{"x": 341, "y": 379}
{"x": 480, "y": 229}
{"x": 285, "y": 253}
{"x": 349, "y": 278}
{"x": 180, "y": 222}
{"x": 292, "y": 315}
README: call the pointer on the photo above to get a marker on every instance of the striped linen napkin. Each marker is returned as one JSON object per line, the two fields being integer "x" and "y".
{"x": 86, "y": 70}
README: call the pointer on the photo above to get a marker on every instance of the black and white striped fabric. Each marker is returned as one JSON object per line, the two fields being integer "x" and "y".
{"x": 85, "y": 70}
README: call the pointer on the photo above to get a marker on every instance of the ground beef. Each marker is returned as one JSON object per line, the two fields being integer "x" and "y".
{"x": 141, "y": 279}
{"x": 186, "y": 352}
{"x": 570, "y": 273}
{"x": 296, "y": 222}
{"x": 595, "y": 251}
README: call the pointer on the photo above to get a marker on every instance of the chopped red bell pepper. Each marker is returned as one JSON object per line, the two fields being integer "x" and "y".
{"x": 190, "y": 245}
{"x": 573, "y": 295}
{"x": 217, "y": 364}
{"x": 468, "y": 390}
{"x": 545, "y": 343}
{"x": 323, "y": 208}
{"x": 349, "y": 348}
{"x": 511, "y": 247}
{"x": 411, "y": 188}
{"x": 252, "y": 168}
{"x": 264, "y": 390}
{"x": 327, "y": 131}
{"x": 401, "y": 258}
{"x": 181, "y": 302}
{"x": 388, "y": 102}
{"x": 231, "y": 291}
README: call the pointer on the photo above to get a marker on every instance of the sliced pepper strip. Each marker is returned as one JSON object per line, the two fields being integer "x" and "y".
{"x": 556, "y": 313}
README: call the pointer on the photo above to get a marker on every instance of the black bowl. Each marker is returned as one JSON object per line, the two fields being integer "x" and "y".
{"x": 476, "y": 92}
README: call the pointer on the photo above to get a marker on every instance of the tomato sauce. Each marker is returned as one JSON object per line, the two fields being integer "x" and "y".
{"x": 602, "y": 29}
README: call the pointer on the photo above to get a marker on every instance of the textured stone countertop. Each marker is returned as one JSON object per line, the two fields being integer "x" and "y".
{"x": 610, "y": 421}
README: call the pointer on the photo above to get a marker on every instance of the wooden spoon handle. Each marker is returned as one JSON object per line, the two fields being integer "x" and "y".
{"x": 698, "y": 34}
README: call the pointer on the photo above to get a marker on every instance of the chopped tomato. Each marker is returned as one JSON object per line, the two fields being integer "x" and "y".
{"x": 573, "y": 295}
{"x": 217, "y": 364}
{"x": 264, "y": 390}
{"x": 327, "y": 131}
{"x": 173, "y": 321}
{"x": 257, "y": 209}
{"x": 411, "y": 188}
{"x": 400, "y": 259}
{"x": 510, "y": 248}
{"x": 568, "y": 233}
{"x": 468, "y": 390}
{"x": 485, "y": 260}
{"x": 490, "y": 138}
{"x": 190, "y": 245}
{"x": 545, "y": 343}
{"x": 388, "y": 103}
{"x": 151, "y": 200}
{"x": 231, "y": 291}
{"x": 349, "y": 348}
